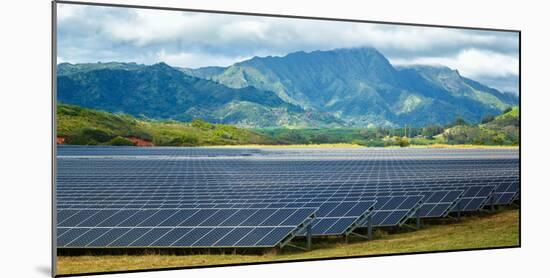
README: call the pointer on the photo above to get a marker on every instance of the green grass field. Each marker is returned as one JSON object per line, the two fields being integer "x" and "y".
{"x": 497, "y": 229}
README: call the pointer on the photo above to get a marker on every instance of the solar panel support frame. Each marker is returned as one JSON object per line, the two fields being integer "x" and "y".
{"x": 369, "y": 226}
{"x": 305, "y": 226}
{"x": 414, "y": 212}
{"x": 365, "y": 218}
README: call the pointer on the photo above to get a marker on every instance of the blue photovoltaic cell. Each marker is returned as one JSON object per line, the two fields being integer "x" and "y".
{"x": 180, "y": 216}
{"x": 231, "y": 238}
{"x": 274, "y": 236}
{"x": 136, "y": 219}
{"x": 117, "y": 218}
{"x": 157, "y": 233}
{"x": 156, "y": 219}
{"x": 114, "y": 197}
{"x": 339, "y": 226}
{"x": 439, "y": 203}
{"x": 75, "y": 219}
{"x": 237, "y": 218}
{"x": 212, "y": 237}
{"x": 378, "y": 217}
{"x": 108, "y": 237}
{"x": 254, "y": 236}
{"x": 149, "y": 237}
{"x": 87, "y": 237}
{"x": 259, "y": 217}
{"x": 129, "y": 237}
{"x": 198, "y": 217}
{"x": 69, "y": 236}
{"x": 171, "y": 236}
{"x": 218, "y": 217}
{"x": 191, "y": 237}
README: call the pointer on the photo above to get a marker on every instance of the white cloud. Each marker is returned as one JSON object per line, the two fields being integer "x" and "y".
{"x": 471, "y": 63}
{"x": 196, "y": 60}
{"x": 281, "y": 35}
{"x": 88, "y": 33}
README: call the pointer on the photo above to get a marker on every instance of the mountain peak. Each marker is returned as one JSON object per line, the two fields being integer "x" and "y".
{"x": 68, "y": 68}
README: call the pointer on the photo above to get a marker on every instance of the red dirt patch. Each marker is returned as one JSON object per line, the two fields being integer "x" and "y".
{"x": 140, "y": 142}
{"x": 60, "y": 140}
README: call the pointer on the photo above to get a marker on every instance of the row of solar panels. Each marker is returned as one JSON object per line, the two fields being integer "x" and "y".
{"x": 192, "y": 202}
{"x": 388, "y": 211}
{"x": 160, "y": 187}
{"x": 237, "y": 185}
{"x": 80, "y": 228}
{"x": 499, "y": 195}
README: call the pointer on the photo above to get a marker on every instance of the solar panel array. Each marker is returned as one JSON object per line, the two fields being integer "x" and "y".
{"x": 179, "y": 227}
{"x": 112, "y": 197}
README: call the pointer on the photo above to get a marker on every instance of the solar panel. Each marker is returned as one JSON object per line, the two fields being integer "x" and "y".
{"x": 341, "y": 218}
{"x": 439, "y": 203}
{"x": 331, "y": 218}
{"x": 200, "y": 197}
{"x": 181, "y": 228}
{"x": 474, "y": 198}
{"x": 395, "y": 210}
{"x": 504, "y": 193}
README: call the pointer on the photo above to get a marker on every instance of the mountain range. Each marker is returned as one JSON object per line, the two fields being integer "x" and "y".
{"x": 354, "y": 87}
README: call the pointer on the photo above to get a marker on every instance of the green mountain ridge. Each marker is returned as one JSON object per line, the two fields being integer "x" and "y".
{"x": 356, "y": 87}
{"x": 162, "y": 92}
{"x": 361, "y": 87}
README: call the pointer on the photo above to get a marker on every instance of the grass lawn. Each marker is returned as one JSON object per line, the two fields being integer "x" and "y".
{"x": 489, "y": 230}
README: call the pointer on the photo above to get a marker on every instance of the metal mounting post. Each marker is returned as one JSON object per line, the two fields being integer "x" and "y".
{"x": 418, "y": 223}
{"x": 369, "y": 226}
{"x": 308, "y": 236}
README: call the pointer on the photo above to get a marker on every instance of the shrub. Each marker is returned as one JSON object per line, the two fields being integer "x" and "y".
{"x": 141, "y": 134}
{"x": 121, "y": 141}
{"x": 403, "y": 142}
{"x": 202, "y": 124}
{"x": 431, "y": 130}
{"x": 460, "y": 121}
{"x": 97, "y": 135}
{"x": 375, "y": 143}
{"x": 187, "y": 140}
{"x": 487, "y": 119}
{"x": 79, "y": 140}
{"x": 320, "y": 139}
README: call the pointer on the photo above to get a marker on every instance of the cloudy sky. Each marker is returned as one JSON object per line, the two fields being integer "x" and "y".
{"x": 185, "y": 39}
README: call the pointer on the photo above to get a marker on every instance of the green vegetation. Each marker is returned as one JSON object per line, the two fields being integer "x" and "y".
{"x": 81, "y": 126}
{"x": 495, "y": 230}
{"x": 120, "y": 141}
{"x": 502, "y": 130}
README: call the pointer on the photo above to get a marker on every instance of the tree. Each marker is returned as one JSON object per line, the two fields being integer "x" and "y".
{"x": 403, "y": 142}
{"x": 460, "y": 121}
{"x": 121, "y": 141}
{"x": 320, "y": 139}
{"x": 430, "y": 131}
{"x": 97, "y": 135}
{"x": 487, "y": 118}
{"x": 202, "y": 124}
